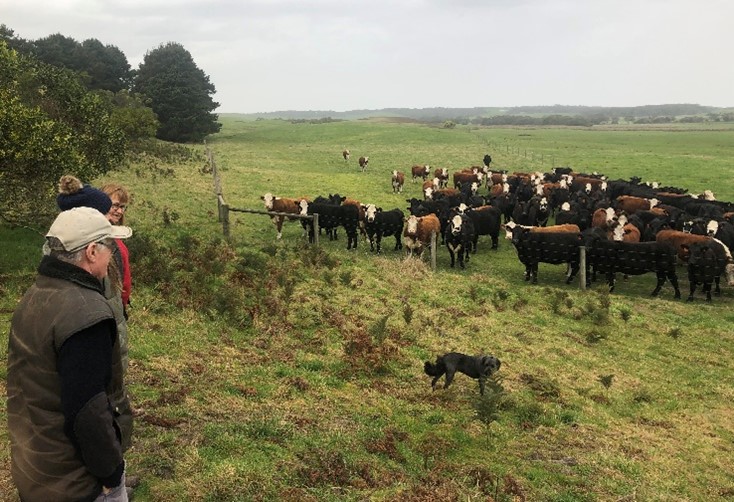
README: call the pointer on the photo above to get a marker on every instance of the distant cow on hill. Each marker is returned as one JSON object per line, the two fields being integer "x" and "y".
{"x": 421, "y": 172}
{"x": 363, "y": 163}
{"x": 345, "y": 154}
{"x": 398, "y": 179}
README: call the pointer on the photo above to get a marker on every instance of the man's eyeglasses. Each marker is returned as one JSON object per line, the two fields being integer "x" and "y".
{"x": 106, "y": 243}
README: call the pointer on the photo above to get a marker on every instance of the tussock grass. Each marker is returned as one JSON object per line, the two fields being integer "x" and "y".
{"x": 273, "y": 370}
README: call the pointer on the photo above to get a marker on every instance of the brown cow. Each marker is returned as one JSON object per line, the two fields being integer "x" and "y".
{"x": 602, "y": 217}
{"x": 418, "y": 233}
{"x": 622, "y": 231}
{"x": 398, "y": 179}
{"x": 631, "y": 204}
{"x": 345, "y": 154}
{"x": 280, "y": 205}
{"x": 363, "y": 163}
{"x": 464, "y": 177}
{"x": 566, "y": 227}
{"x": 680, "y": 241}
{"x": 581, "y": 182}
{"x": 420, "y": 171}
{"x": 443, "y": 177}
{"x": 499, "y": 189}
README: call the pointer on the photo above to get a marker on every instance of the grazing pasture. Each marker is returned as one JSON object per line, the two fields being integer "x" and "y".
{"x": 266, "y": 369}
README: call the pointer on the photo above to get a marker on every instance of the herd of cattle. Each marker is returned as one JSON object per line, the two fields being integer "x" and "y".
{"x": 624, "y": 226}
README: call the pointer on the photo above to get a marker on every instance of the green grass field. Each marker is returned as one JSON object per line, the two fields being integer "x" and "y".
{"x": 271, "y": 370}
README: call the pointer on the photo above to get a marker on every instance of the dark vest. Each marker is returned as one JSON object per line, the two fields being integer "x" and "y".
{"x": 44, "y": 463}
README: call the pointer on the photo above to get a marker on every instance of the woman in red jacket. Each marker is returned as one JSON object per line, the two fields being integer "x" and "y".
{"x": 120, "y": 198}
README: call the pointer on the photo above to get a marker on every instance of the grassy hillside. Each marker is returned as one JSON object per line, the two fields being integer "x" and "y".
{"x": 271, "y": 370}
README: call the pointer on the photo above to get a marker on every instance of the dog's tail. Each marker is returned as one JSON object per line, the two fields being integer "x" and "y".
{"x": 430, "y": 368}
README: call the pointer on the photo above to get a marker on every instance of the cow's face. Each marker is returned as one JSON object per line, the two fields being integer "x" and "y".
{"x": 455, "y": 225}
{"x": 411, "y": 225}
{"x": 566, "y": 206}
{"x": 303, "y": 205}
{"x": 369, "y": 212}
{"x": 428, "y": 193}
{"x": 517, "y": 234}
{"x": 543, "y": 204}
{"x": 587, "y": 188}
{"x": 712, "y": 228}
{"x": 474, "y": 187}
{"x": 426, "y": 169}
{"x": 610, "y": 214}
{"x": 509, "y": 227}
{"x": 268, "y": 200}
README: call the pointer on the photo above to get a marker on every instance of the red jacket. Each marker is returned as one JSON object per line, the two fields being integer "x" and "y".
{"x": 127, "y": 280}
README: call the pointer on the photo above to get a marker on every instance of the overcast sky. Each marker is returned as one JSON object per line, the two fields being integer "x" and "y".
{"x": 272, "y": 55}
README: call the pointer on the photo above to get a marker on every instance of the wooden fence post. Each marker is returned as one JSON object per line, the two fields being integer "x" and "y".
{"x": 582, "y": 268}
{"x": 316, "y": 229}
{"x": 224, "y": 216}
{"x": 434, "y": 240}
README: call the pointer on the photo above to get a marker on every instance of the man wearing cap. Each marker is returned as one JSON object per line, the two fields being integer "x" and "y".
{"x": 63, "y": 353}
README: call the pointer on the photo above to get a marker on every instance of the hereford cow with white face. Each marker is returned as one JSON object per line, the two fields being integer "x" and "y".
{"x": 398, "y": 179}
{"x": 280, "y": 205}
{"x": 420, "y": 171}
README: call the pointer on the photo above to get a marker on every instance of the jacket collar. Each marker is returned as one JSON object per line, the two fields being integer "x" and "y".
{"x": 57, "y": 269}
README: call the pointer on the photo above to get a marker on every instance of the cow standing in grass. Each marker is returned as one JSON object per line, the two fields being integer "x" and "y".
{"x": 379, "y": 224}
{"x": 418, "y": 233}
{"x": 398, "y": 180}
{"x": 280, "y": 205}
{"x": 459, "y": 237}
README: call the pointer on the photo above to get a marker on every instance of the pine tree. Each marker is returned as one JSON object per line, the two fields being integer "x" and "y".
{"x": 179, "y": 93}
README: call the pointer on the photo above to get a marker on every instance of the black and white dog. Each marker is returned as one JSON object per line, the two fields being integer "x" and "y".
{"x": 478, "y": 367}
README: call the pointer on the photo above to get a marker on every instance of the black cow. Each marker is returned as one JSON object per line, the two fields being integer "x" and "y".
{"x": 459, "y": 237}
{"x": 546, "y": 247}
{"x": 487, "y": 221}
{"x": 379, "y": 223}
{"x": 487, "y": 160}
{"x": 331, "y": 216}
{"x": 707, "y": 261}
{"x": 630, "y": 258}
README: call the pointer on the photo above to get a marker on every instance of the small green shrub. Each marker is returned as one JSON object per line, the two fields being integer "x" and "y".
{"x": 675, "y": 333}
{"x": 407, "y": 312}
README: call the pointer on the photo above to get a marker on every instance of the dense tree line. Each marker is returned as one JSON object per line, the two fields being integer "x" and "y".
{"x": 70, "y": 107}
{"x": 168, "y": 83}
{"x": 49, "y": 125}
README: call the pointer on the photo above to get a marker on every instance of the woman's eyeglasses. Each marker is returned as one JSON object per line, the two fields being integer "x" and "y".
{"x": 121, "y": 207}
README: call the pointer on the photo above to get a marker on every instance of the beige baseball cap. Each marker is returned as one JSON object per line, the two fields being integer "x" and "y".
{"x": 79, "y": 226}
